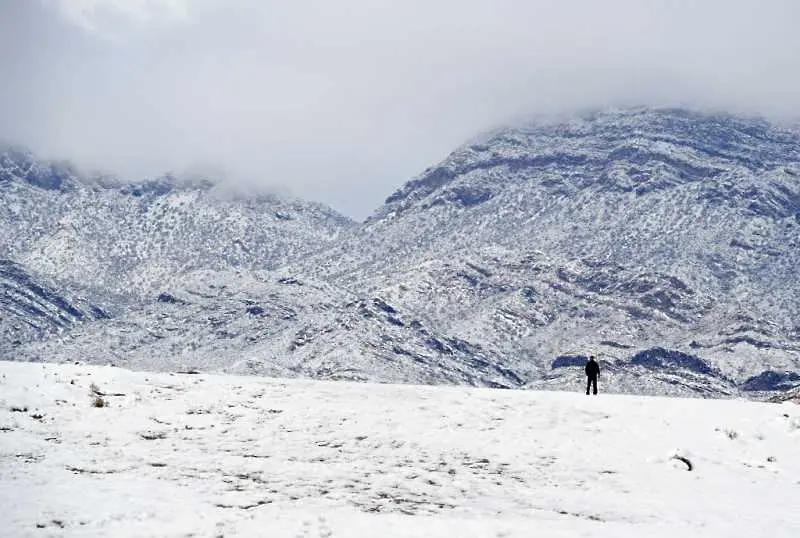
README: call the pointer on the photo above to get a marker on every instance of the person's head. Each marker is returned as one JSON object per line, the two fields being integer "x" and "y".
{"x": 591, "y": 357}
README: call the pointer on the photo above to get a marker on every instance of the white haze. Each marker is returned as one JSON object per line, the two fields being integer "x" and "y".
{"x": 342, "y": 102}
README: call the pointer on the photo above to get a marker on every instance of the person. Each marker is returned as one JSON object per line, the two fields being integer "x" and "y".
{"x": 592, "y": 371}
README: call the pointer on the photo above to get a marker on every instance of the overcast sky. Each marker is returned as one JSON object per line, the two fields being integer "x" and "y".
{"x": 342, "y": 101}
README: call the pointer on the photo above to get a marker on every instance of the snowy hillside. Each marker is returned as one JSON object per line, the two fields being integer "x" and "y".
{"x": 613, "y": 233}
{"x": 265, "y": 324}
{"x": 33, "y": 309}
{"x": 665, "y": 241}
{"x": 134, "y": 239}
{"x": 178, "y": 455}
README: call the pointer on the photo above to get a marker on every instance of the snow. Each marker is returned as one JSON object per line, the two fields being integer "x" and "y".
{"x": 205, "y": 455}
{"x": 616, "y": 232}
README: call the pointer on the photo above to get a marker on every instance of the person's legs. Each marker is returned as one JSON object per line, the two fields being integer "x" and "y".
{"x": 588, "y": 385}
{"x": 594, "y": 385}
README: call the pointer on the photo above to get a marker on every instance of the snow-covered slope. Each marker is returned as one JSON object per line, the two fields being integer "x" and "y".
{"x": 265, "y": 324}
{"x": 665, "y": 241}
{"x": 178, "y": 455}
{"x": 31, "y": 309}
{"x": 134, "y": 239}
{"x": 611, "y": 233}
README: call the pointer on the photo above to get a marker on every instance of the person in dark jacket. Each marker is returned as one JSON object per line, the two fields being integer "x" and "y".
{"x": 592, "y": 371}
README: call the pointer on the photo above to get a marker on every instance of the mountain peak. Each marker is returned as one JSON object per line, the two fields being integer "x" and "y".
{"x": 20, "y": 164}
{"x": 636, "y": 149}
{"x": 664, "y": 241}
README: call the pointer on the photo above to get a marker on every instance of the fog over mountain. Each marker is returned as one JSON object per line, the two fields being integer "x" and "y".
{"x": 303, "y": 189}
{"x": 342, "y": 102}
{"x": 663, "y": 240}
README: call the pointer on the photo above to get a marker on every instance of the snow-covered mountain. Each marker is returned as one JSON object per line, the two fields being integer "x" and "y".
{"x": 665, "y": 241}
{"x": 33, "y": 309}
{"x": 614, "y": 233}
{"x": 132, "y": 239}
{"x": 266, "y": 324}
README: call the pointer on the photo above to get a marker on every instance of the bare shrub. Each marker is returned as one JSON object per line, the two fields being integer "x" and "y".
{"x": 97, "y": 396}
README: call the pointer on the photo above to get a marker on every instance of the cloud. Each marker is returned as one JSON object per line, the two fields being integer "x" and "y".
{"x": 115, "y": 18}
{"x": 344, "y": 101}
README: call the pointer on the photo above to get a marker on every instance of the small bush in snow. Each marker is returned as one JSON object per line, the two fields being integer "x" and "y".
{"x": 732, "y": 434}
{"x": 97, "y": 396}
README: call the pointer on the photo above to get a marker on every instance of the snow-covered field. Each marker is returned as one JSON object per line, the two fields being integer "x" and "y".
{"x": 202, "y": 455}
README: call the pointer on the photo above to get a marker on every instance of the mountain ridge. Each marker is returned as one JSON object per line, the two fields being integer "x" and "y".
{"x": 617, "y": 232}
{"x": 159, "y": 227}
